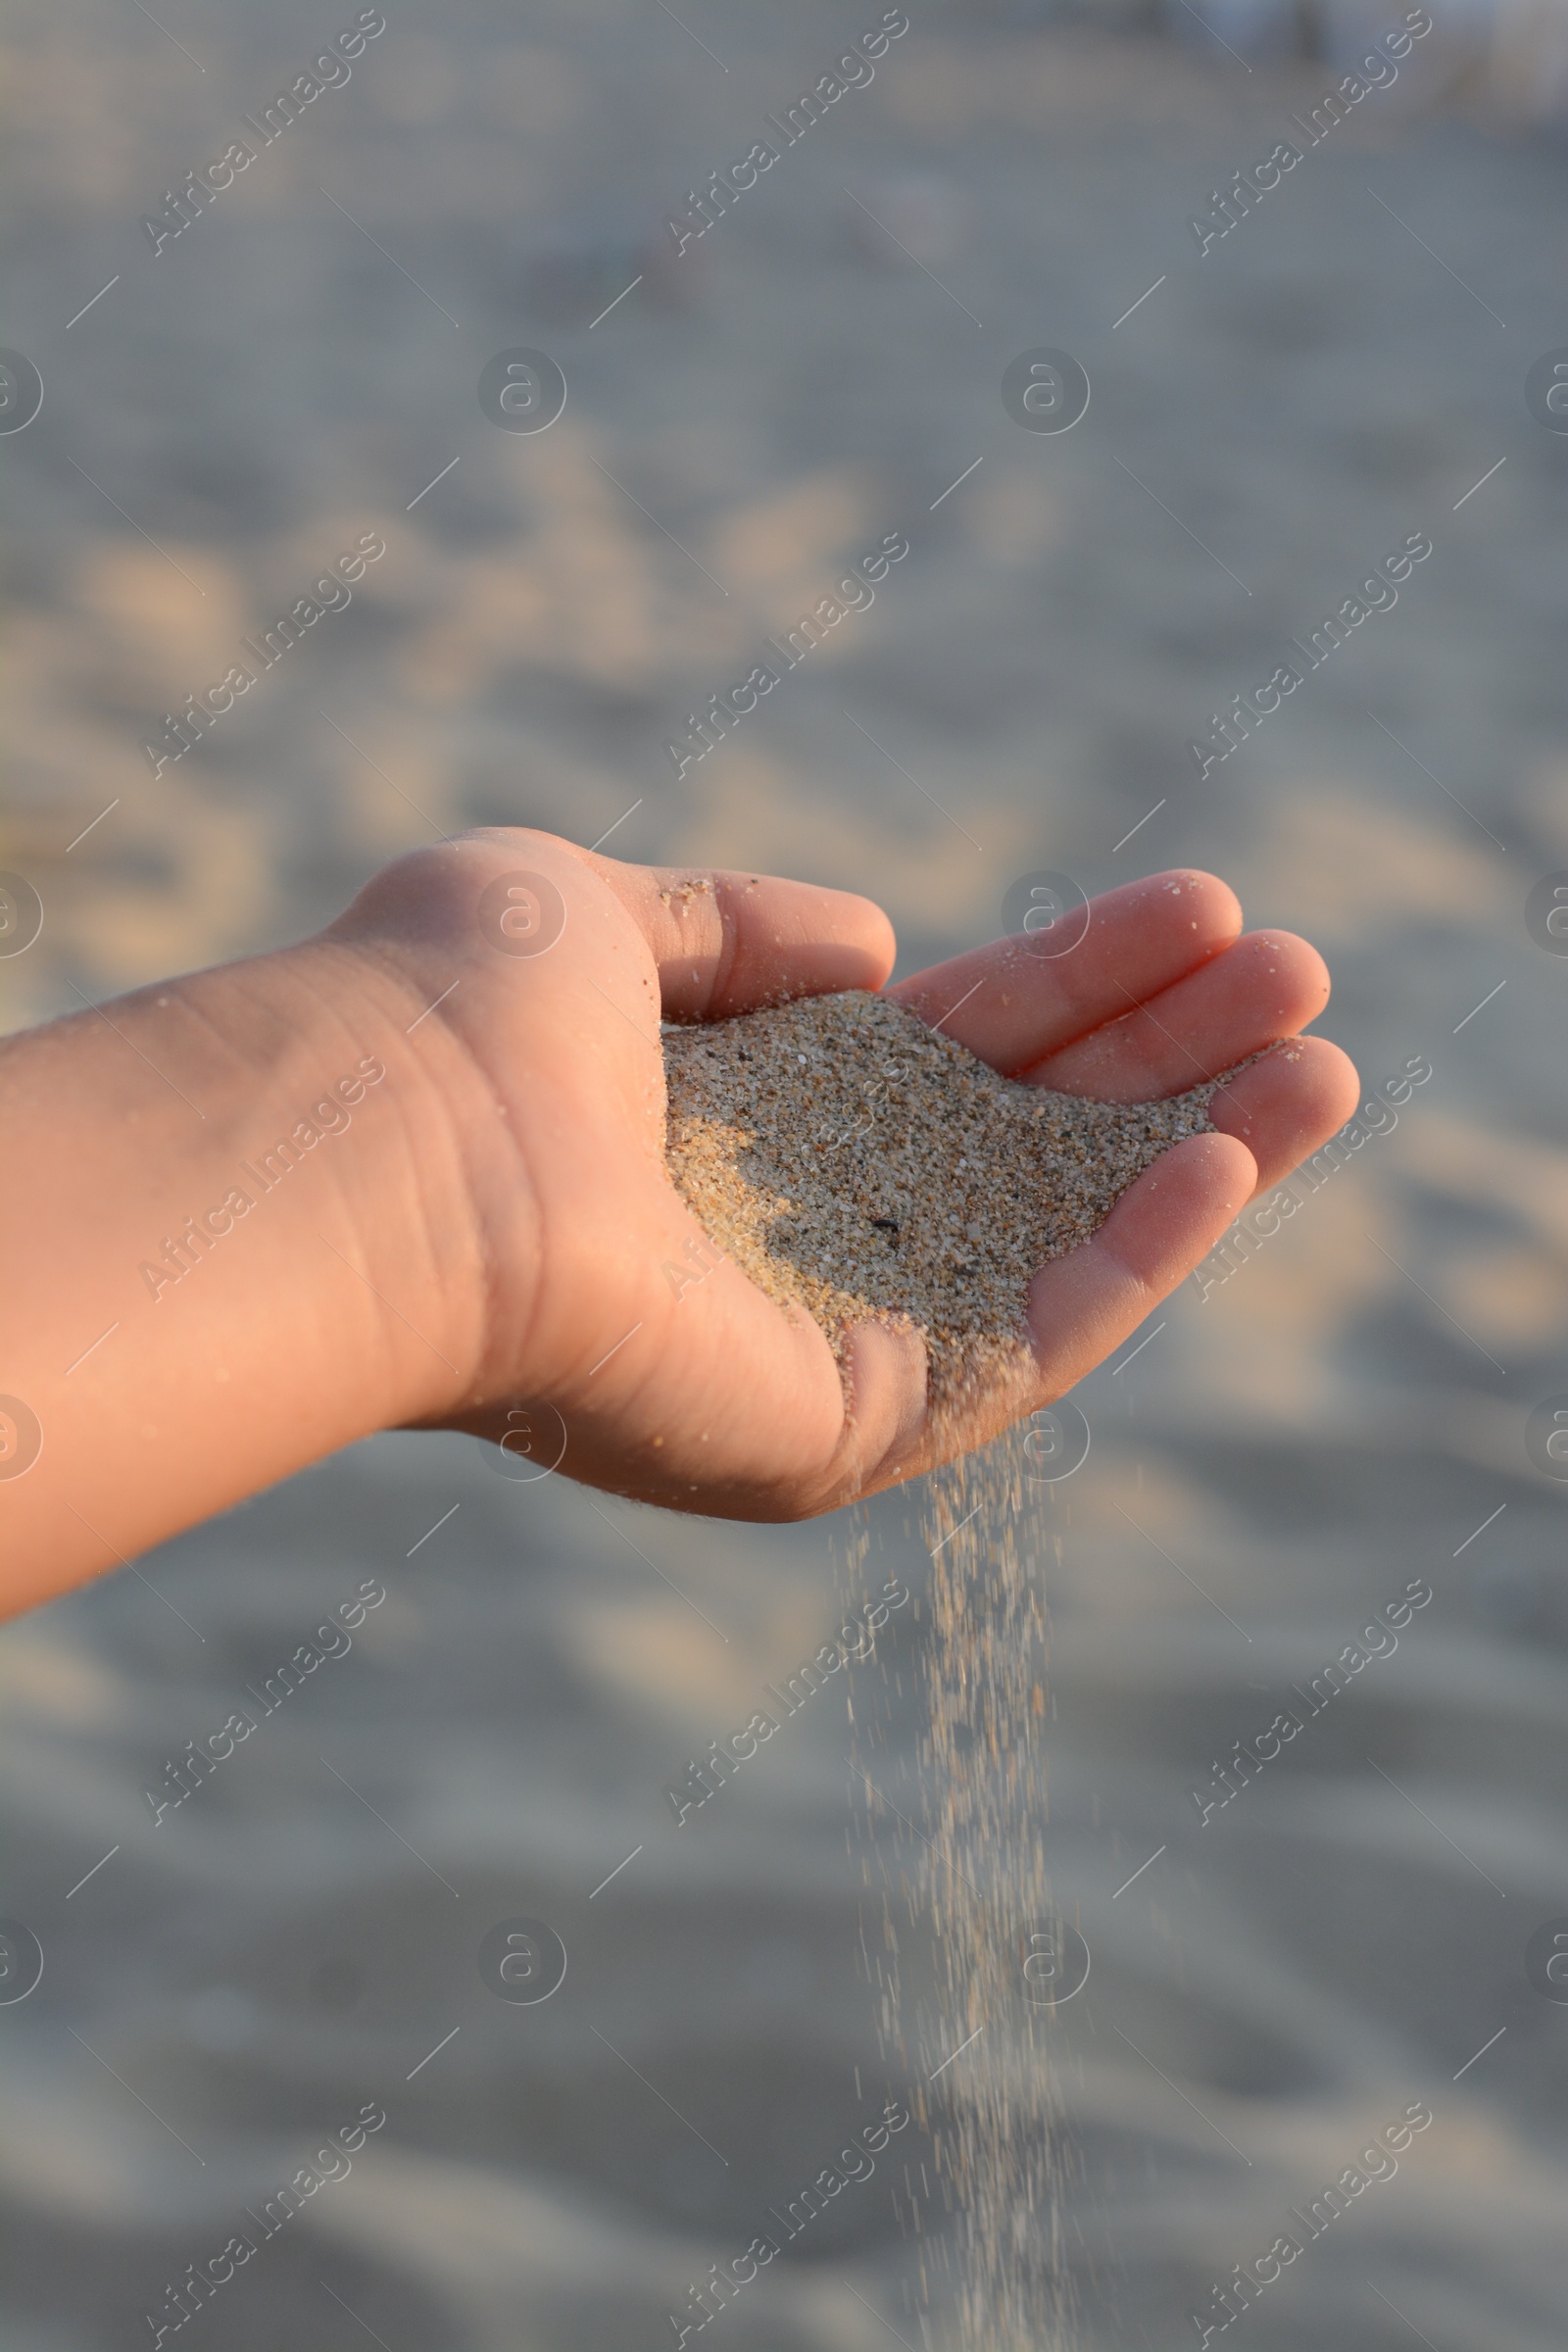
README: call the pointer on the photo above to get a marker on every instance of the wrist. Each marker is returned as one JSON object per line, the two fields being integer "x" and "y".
{"x": 230, "y": 1247}
{"x": 357, "y": 1096}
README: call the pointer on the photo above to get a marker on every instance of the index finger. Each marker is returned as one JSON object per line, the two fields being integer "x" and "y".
{"x": 727, "y": 943}
{"x": 1012, "y": 1005}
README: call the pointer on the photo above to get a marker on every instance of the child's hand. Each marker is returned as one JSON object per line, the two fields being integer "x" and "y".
{"x": 482, "y": 1241}
{"x": 706, "y": 1397}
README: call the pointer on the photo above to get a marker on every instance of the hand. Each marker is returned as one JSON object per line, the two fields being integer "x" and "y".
{"x": 706, "y": 1397}
{"x": 217, "y": 1271}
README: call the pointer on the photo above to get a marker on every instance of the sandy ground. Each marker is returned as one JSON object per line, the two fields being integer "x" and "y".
{"x": 1282, "y": 1458}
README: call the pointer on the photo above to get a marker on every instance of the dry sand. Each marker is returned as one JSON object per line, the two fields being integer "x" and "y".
{"x": 855, "y": 1162}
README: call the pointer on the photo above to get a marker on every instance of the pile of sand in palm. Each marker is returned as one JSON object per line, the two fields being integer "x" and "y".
{"x": 857, "y": 1163}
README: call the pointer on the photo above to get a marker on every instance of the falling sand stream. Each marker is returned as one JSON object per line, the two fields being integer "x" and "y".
{"x": 856, "y": 1164}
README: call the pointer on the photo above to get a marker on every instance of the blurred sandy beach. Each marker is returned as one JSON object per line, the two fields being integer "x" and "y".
{"x": 1280, "y": 1459}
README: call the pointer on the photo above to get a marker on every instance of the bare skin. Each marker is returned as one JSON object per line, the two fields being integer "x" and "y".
{"x": 485, "y": 1226}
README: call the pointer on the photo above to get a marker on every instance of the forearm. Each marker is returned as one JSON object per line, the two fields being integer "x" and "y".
{"x": 228, "y": 1213}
